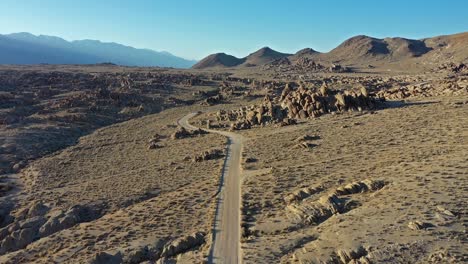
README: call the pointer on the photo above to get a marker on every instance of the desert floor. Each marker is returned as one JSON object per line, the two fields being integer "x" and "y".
{"x": 387, "y": 185}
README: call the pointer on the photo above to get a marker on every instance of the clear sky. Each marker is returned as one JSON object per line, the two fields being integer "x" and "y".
{"x": 196, "y": 28}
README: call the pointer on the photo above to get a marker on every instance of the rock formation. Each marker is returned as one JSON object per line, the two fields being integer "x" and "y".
{"x": 297, "y": 104}
{"x": 181, "y": 132}
{"x": 208, "y": 155}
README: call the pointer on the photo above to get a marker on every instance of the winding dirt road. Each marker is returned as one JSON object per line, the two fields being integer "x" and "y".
{"x": 226, "y": 230}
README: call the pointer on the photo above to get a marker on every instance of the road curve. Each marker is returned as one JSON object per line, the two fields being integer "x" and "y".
{"x": 225, "y": 246}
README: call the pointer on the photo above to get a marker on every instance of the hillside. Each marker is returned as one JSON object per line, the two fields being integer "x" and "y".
{"x": 260, "y": 57}
{"x": 218, "y": 60}
{"x": 25, "y": 48}
{"x": 263, "y": 56}
{"x": 365, "y": 50}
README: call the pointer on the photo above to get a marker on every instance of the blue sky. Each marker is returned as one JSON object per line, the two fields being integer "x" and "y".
{"x": 196, "y": 28}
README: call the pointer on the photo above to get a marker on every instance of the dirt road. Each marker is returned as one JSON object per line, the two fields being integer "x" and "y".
{"x": 226, "y": 229}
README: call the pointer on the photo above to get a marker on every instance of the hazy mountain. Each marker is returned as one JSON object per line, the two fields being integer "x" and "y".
{"x": 25, "y": 48}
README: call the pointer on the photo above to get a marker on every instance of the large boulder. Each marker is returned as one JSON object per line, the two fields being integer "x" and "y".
{"x": 183, "y": 244}
{"x": 106, "y": 258}
{"x": 21, "y": 234}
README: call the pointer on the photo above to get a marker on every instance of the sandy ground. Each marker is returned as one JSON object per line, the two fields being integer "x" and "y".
{"x": 384, "y": 186}
{"x": 146, "y": 194}
{"x": 418, "y": 149}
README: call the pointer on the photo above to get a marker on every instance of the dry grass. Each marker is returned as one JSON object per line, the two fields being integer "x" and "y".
{"x": 149, "y": 194}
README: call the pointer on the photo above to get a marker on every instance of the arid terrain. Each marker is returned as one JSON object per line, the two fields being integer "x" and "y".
{"x": 359, "y": 155}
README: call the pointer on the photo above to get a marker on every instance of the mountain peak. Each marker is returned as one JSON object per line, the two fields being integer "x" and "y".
{"x": 306, "y": 51}
{"x": 218, "y": 60}
{"x": 265, "y": 51}
{"x": 264, "y": 55}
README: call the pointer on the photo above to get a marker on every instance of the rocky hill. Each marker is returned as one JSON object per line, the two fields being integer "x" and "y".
{"x": 263, "y": 56}
{"x": 362, "y": 51}
{"x": 218, "y": 60}
{"x": 260, "y": 57}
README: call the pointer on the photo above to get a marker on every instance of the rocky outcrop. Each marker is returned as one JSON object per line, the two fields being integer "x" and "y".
{"x": 38, "y": 221}
{"x": 296, "y": 104}
{"x": 418, "y": 225}
{"x": 301, "y": 194}
{"x": 305, "y": 138}
{"x": 21, "y": 234}
{"x": 458, "y": 68}
{"x": 306, "y": 145}
{"x": 160, "y": 251}
{"x": 311, "y": 211}
{"x": 360, "y": 186}
{"x": 153, "y": 143}
{"x": 139, "y": 254}
{"x": 106, "y": 258}
{"x": 181, "y": 132}
{"x": 213, "y": 100}
{"x": 208, "y": 155}
{"x": 446, "y": 87}
{"x": 25, "y": 228}
{"x": 317, "y": 211}
{"x": 183, "y": 244}
{"x": 354, "y": 255}
{"x": 60, "y": 220}
{"x": 5, "y": 187}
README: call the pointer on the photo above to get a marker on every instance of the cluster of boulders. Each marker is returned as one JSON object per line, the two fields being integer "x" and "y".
{"x": 225, "y": 92}
{"x": 153, "y": 143}
{"x": 306, "y": 145}
{"x": 208, "y": 155}
{"x": 314, "y": 212}
{"x": 181, "y": 132}
{"x": 183, "y": 244}
{"x": 304, "y": 141}
{"x": 459, "y": 68}
{"x": 246, "y": 117}
{"x": 193, "y": 80}
{"x": 161, "y": 250}
{"x": 419, "y": 225}
{"x": 213, "y": 100}
{"x": 303, "y": 64}
{"x": 295, "y": 104}
{"x": 308, "y": 64}
{"x": 338, "y": 68}
{"x": 301, "y": 194}
{"x": 446, "y": 87}
{"x": 5, "y": 187}
{"x": 304, "y": 103}
{"x": 360, "y": 186}
{"x": 38, "y": 221}
{"x": 353, "y": 255}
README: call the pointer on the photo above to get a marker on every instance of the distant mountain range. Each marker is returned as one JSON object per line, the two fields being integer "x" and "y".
{"x": 26, "y": 48}
{"x": 360, "y": 51}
